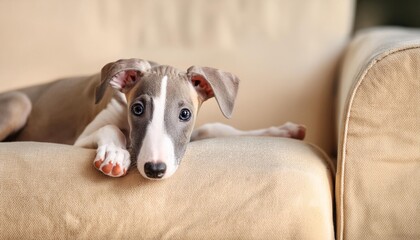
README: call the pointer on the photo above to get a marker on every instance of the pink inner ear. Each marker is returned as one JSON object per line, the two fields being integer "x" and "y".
{"x": 195, "y": 82}
{"x": 124, "y": 80}
{"x": 202, "y": 86}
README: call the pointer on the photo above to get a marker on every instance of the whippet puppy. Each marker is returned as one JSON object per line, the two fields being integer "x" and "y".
{"x": 145, "y": 118}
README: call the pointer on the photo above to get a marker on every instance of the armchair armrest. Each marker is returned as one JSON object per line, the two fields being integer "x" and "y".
{"x": 378, "y": 172}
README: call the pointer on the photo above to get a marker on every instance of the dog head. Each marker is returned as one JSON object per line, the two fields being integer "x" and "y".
{"x": 162, "y": 106}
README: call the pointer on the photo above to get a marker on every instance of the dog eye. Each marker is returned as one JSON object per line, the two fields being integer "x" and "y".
{"x": 185, "y": 115}
{"x": 137, "y": 109}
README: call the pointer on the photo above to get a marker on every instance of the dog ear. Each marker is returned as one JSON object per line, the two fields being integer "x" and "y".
{"x": 121, "y": 75}
{"x": 211, "y": 82}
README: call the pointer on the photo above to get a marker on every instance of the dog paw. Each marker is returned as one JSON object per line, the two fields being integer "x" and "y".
{"x": 289, "y": 130}
{"x": 112, "y": 160}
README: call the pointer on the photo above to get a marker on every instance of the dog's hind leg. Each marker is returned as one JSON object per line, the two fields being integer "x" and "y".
{"x": 212, "y": 130}
{"x": 15, "y": 108}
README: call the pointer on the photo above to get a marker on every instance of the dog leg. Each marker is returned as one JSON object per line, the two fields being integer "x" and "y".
{"x": 112, "y": 157}
{"x": 212, "y": 130}
{"x": 15, "y": 108}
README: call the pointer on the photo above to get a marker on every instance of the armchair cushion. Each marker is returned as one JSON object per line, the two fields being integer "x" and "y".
{"x": 228, "y": 188}
{"x": 378, "y": 174}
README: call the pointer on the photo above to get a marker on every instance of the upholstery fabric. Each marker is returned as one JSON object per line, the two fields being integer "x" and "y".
{"x": 285, "y": 52}
{"x": 227, "y": 188}
{"x": 378, "y": 174}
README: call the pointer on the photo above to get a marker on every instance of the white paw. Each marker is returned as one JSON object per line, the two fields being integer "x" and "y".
{"x": 289, "y": 130}
{"x": 112, "y": 160}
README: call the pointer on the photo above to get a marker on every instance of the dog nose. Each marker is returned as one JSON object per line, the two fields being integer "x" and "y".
{"x": 155, "y": 170}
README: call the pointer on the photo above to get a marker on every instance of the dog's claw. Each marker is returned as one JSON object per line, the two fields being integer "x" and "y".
{"x": 116, "y": 160}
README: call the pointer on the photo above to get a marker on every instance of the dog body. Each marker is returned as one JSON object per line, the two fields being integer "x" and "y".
{"x": 145, "y": 118}
{"x": 55, "y": 112}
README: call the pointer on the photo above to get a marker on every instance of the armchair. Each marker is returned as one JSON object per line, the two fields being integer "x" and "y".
{"x": 295, "y": 63}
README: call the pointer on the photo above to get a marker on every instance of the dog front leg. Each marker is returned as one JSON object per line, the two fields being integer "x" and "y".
{"x": 112, "y": 157}
{"x": 212, "y": 130}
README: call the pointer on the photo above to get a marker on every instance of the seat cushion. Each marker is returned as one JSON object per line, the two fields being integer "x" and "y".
{"x": 230, "y": 188}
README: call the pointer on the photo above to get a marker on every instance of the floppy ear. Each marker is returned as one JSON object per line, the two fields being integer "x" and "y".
{"x": 211, "y": 82}
{"x": 121, "y": 75}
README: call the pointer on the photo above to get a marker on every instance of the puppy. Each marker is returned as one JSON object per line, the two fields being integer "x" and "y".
{"x": 134, "y": 112}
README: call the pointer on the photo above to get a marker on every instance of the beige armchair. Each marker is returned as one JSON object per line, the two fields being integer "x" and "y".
{"x": 288, "y": 56}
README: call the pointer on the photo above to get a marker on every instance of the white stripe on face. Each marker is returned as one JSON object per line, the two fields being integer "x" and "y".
{"x": 157, "y": 146}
